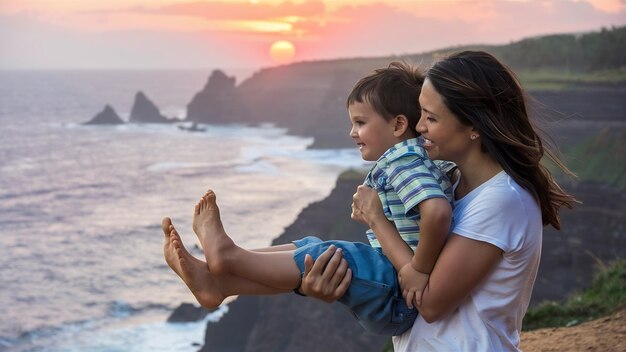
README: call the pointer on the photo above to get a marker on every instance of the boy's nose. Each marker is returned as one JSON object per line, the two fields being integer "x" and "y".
{"x": 353, "y": 133}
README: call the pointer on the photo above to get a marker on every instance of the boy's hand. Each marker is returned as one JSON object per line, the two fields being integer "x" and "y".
{"x": 412, "y": 283}
{"x": 366, "y": 206}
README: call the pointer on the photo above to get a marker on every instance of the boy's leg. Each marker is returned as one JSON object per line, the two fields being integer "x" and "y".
{"x": 275, "y": 268}
{"x": 373, "y": 294}
{"x": 291, "y": 246}
{"x": 277, "y": 248}
{"x": 209, "y": 289}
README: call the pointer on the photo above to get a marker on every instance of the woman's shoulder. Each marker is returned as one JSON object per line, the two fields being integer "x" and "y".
{"x": 501, "y": 188}
{"x": 501, "y": 212}
{"x": 499, "y": 197}
{"x": 507, "y": 191}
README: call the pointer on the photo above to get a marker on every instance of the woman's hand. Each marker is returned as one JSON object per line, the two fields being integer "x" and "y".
{"x": 326, "y": 278}
{"x": 366, "y": 206}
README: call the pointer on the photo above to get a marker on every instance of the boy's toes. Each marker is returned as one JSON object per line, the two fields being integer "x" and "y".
{"x": 165, "y": 225}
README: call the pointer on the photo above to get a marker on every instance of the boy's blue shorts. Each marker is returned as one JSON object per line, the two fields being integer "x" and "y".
{"x": 374, "y": 295}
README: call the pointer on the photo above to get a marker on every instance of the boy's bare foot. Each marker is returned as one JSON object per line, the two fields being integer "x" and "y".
{"x": 168, "y": 249}
{"x": 204, "y": 286}
{"x": 208, "y": 227}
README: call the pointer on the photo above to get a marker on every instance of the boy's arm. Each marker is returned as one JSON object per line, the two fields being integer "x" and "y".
{"x": 397, "y": 251}
{"x": 435, "y": 220}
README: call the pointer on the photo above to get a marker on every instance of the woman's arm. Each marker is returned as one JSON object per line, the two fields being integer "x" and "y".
{"x": 462, "y": 265}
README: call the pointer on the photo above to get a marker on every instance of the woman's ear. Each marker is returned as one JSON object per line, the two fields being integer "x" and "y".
{"x": 401, "y": 125}
{"x": 474, "y": 134}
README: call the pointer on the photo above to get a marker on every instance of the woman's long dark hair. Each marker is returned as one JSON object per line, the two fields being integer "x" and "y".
{"x": 482, "y": 92}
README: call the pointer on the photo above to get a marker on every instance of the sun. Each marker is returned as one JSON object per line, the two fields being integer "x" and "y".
{"x": 282, "y": 52}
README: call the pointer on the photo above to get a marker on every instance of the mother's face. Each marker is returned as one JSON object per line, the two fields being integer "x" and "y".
{"x": 445, "y": 138}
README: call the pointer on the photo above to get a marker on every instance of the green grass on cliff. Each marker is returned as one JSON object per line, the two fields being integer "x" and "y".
{"x": 607, "y": 293}
{"x": 556, "y": 80}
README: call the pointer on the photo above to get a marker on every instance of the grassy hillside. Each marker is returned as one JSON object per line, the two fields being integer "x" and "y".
{"x": 556, "y": 62}
{"x": 606, "y": 294}
{"x": 556, "y": 79}
{"x": 583, "y": 52}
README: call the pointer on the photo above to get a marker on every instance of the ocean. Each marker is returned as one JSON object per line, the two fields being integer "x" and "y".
{"x": 80, "y": 206}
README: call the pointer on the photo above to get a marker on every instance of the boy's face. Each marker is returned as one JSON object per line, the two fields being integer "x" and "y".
{"x": 371, "y": 132}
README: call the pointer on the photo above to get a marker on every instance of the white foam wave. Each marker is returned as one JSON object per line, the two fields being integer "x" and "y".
{"x": 156, "y": 336}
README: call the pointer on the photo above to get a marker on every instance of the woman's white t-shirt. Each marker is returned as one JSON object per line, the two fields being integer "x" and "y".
{"x": 501, "y": 213}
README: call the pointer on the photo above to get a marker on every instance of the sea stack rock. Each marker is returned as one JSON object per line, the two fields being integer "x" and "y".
{"x": 187, "y": 312}
{"x": 108, "y": 116}
{"x": 218, "y": 102}
{"x": 144, "y": 111}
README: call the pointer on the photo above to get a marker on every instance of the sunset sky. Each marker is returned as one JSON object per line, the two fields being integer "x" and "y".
{"x": 154, "y": 34}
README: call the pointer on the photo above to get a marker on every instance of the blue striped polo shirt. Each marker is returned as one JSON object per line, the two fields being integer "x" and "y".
{"x": 404, "y": 176}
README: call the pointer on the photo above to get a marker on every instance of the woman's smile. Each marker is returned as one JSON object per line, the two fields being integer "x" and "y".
{"x": 427, "y": 143}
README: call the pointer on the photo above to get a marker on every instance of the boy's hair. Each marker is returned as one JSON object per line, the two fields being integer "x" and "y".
{"x": 391, "y": 91}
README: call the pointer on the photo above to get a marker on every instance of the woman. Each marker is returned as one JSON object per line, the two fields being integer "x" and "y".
{"x": 474, "y": 114}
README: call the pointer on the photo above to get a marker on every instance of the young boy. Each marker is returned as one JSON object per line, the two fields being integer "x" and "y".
{"x": 384, "y": 111}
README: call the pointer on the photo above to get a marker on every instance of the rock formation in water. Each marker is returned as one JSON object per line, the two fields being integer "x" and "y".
{"x": 144, "y": 111}
{"x": 108, "y": 116}
{"x": 187, "y": 312}
{"x": 218, "y": 102}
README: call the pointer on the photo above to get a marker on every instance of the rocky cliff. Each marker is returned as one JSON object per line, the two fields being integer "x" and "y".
{"x": 307, "y": 98}
{"x": 218, "y": 102}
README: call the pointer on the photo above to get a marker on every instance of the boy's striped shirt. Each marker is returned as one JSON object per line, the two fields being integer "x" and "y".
{"x": 403, "y": 177}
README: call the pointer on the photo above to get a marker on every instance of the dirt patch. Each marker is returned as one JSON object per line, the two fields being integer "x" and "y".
{"x": 601, "y": 335}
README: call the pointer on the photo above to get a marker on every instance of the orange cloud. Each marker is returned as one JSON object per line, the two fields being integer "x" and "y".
{"x": 244, "y": 17}
{"x": 243, "y": 11}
